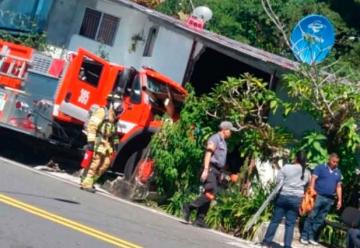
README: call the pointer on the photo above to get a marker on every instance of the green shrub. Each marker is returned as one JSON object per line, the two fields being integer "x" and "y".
{"x": 233, "y": 210}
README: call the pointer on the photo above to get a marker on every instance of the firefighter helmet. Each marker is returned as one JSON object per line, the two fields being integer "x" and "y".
{"x": 115, "y": 100}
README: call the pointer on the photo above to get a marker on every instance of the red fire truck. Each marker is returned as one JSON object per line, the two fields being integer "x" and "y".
{"x": 50, "y": 98}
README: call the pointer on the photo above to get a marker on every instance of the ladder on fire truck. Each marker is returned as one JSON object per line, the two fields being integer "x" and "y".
{"x": 12, "y": 66}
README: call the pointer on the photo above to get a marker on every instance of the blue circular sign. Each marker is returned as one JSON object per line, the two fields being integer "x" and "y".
{"x": 312, "y": 39}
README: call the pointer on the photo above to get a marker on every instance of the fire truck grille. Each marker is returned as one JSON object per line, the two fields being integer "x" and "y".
{"x": 41, "y": 63}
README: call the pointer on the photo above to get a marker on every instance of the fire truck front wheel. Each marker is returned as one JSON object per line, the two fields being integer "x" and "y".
{"x": 131, "y": 163}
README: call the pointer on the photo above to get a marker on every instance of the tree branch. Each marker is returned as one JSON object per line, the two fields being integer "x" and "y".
{"x": 274, "y": 18}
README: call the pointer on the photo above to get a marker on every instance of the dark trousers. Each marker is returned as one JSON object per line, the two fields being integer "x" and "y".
{"x": 202, "y": 203}
{"x": 285, "y": 206}
{"x": 353, "y": 238}
{"x": 316, "y": 217}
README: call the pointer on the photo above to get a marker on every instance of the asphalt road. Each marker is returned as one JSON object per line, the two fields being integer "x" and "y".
{"x": 38, "y": 211}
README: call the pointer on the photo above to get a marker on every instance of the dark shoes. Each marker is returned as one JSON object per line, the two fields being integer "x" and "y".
{"x": 186, "y": 213}
{"x": 264, "y": 244}
{"x": 91, "y": 190}
{"x": 200, "y": 223}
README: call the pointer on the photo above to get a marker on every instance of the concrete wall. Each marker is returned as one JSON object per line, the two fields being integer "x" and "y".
{"x": 65, "y": 19}
{"x": 171, "y": 54}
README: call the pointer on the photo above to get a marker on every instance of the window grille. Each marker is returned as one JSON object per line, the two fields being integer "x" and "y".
{"x": 99, "y": 26}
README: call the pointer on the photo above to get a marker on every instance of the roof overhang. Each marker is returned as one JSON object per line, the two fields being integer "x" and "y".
{"x": 255, "y": 57}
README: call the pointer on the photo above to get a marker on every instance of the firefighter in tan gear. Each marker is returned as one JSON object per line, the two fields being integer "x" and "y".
{"x": 103, "y": 139}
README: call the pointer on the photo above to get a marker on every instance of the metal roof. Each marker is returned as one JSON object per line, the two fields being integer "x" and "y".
{"x": 253, "y": 56}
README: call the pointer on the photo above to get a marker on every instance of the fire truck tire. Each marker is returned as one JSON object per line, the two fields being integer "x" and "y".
{"x": 131, "y": 163}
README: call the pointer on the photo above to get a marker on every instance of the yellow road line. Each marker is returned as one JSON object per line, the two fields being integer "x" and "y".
{"x": 67, "y": 222}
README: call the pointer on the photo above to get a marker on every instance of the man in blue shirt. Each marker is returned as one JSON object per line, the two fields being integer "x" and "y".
{"x": 326, "y": 180}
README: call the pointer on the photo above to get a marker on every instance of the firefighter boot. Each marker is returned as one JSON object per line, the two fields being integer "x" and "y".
{"x": 95, "y": 178}
{"x": 88, "y": 184}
